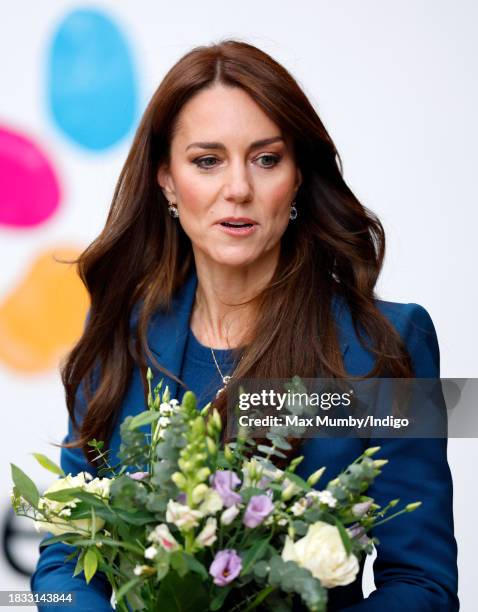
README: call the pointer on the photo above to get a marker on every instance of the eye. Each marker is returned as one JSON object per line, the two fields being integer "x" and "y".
{"x": 272, "y": 160}
{"x": 201, "y": 162}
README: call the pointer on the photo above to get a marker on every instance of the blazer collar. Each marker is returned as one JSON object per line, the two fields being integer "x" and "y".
{"x": 168, "y": 330}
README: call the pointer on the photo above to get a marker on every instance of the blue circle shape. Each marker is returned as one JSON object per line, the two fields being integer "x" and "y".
{"x": 92, "y": 86}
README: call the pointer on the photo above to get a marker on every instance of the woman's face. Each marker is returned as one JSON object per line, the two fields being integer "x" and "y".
{"x": 230, "y": 165}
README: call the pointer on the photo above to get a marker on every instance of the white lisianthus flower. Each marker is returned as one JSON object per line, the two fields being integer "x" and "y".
{"x": 291, "y": 487}
{"x": 253, "y": 470}
{"x": 322, "y": 552}
{"x": 182, "y": 516}
{"x": 212, "y": 502}
{"x": 229, "y": 514}
{"x": 361, "y": 508}
{"x": 199, "y": 492}
{"x": 150, "y": 552}
{"x": 162, "y": 536}
{"x": 324, "y": 497}
{"x": 207, "y": 535}
{"x": 56, "y": 513}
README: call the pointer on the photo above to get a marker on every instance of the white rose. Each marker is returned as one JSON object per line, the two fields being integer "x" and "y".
{"x": 322, "y": 552}
{"x": 182, "y": 516}
{"x": 99, "y": 486}
{"x": 162, "y": 536}
{"x": 208, "y": 534}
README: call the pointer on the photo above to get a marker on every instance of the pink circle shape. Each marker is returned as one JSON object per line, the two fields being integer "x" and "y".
{"x": 29, "y": 188}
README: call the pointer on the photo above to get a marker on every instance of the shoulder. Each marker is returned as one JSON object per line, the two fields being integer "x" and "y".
{"x": 414, "y": 325}
{"x": 417, "y": 330}
{"x": 412, "y": 321}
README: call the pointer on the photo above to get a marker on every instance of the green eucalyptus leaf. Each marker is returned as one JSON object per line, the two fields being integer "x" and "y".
{"x": 270, "y": 450}
{"x": 278, "y": 441}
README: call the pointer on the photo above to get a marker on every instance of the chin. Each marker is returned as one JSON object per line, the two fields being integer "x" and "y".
{"x": 235, "y": 260}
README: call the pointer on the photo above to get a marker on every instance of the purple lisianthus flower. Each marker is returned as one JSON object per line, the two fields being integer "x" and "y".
{"x": 224, "y": 482}
{"x": 357, "y": 532}
{"x": 258, "y": 509}
{"x": 138, "y": 475}
{"x": 226, "y": 566}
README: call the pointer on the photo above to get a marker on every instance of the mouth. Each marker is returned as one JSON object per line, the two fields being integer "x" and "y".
{"x": 237, "y": 222}
{"x": 229, "y": 224}
{"x": 237, "y": 226}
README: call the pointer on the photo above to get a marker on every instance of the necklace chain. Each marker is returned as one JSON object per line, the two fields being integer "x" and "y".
{"x": 225, "y": 379}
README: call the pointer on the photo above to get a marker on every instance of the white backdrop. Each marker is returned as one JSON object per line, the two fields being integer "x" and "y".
{"x": 395, "y": 83}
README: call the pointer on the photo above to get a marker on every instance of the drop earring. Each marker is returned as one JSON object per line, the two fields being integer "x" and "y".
{"x": 293, "y": 212}
{"x": 173, "y": 210}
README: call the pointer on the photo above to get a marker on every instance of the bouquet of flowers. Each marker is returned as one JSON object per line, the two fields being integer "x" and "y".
{"x": 187, "y": 523}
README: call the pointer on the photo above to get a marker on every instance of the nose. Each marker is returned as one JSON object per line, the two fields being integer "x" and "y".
{"x": 237, "y": 185}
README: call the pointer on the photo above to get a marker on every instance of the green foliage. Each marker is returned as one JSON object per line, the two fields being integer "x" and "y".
{"x": 291, "y": 578}
{"x": 185, "y": 594}
{"x": 254, "y": 554}
{"x": 25, "y": 487}
{"x": 48, "y": 464}
{"x": 134, "y": 447}
{"x": 128, "y": 494}
{"x": 90, "y": 564}
{"x": 178, "y": 454}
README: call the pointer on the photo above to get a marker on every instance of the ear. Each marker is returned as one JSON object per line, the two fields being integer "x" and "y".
{"x": 299, "y": 179}
{"x": 165, "y": 181}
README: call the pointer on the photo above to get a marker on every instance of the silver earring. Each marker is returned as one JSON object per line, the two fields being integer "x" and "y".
{"x": 173, "y": 210}
{"x": 293, "y": 212}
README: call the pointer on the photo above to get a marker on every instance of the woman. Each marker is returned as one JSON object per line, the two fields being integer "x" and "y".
{"x": 234, "y": 247}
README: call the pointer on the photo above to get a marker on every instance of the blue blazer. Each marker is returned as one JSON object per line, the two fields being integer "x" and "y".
{"x": 416, "y": 564}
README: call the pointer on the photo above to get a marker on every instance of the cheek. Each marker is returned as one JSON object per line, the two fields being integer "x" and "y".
{"x": 278, "y": 199}
{"x": 193, "y": 193}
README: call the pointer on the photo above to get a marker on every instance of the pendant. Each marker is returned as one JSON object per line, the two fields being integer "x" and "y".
{"x": 225, "y": 380}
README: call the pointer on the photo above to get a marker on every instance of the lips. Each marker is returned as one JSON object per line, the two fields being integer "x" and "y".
{"x": 237, "y": 222}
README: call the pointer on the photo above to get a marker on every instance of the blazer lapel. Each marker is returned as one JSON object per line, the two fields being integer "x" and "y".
{"x": 168, "y": 331}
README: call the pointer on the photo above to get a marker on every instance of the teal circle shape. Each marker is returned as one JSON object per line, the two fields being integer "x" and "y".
{"x": 92, "y": 85}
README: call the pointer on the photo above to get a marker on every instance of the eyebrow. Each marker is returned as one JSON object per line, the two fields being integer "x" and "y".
{"x": 218, "y": 145}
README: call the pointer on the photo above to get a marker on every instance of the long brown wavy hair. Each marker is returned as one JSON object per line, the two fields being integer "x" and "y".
{"x": 335, "y": 247}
